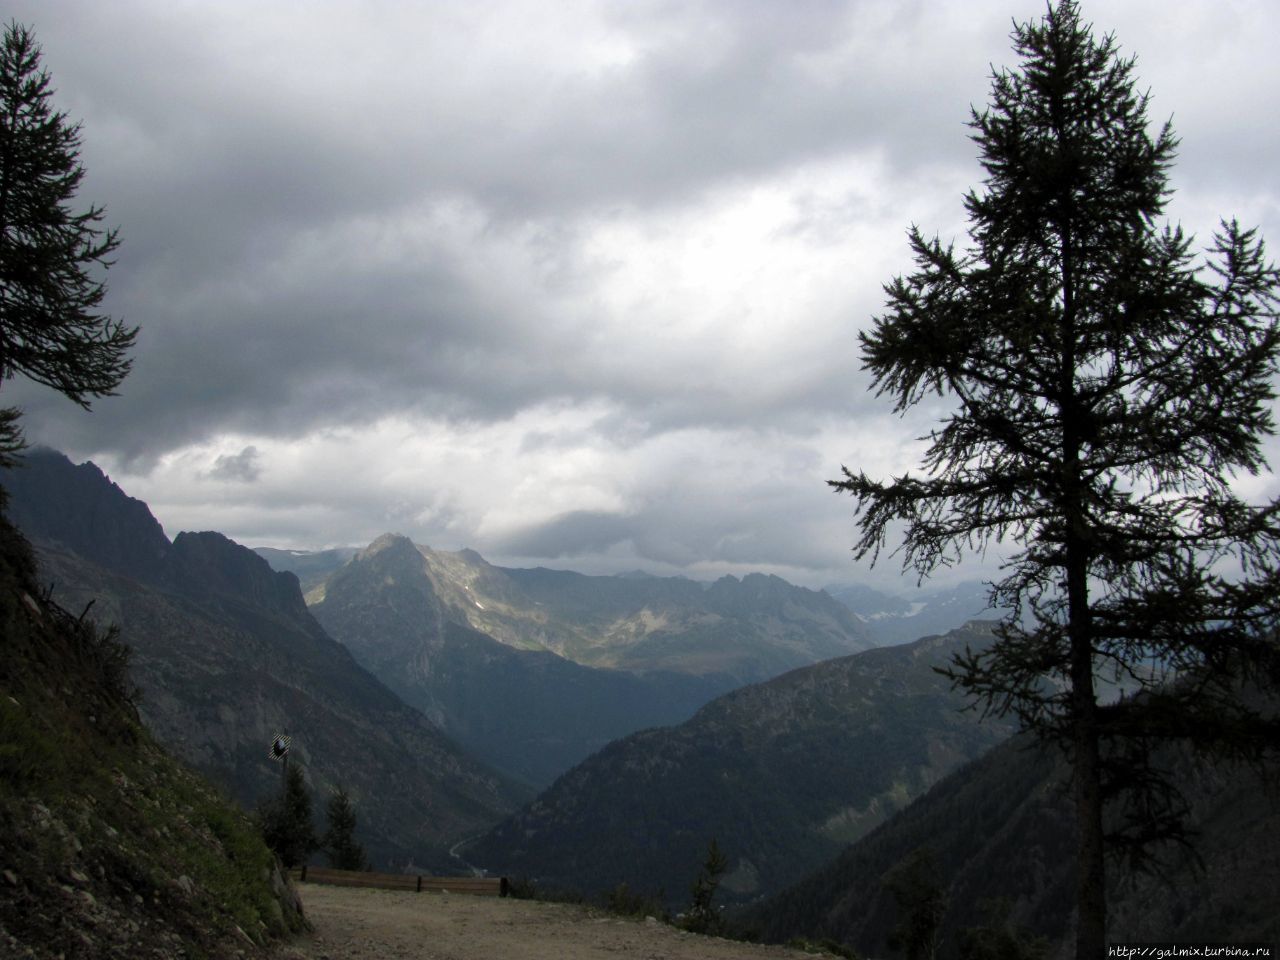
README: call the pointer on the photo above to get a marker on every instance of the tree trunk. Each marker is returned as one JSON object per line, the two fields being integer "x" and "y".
{"x": 1091, "y": 898}
{"x": 1082, "y": 718}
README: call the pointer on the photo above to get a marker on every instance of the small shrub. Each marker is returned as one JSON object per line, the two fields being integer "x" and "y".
{"x": 998, "y": 938}
{"x": 702, "y": 916}
{"x": 825, "y": 945}
{"x": 625, "y": 902}
{"x": 522, "y": 888}
{"x": 101, "y": 649}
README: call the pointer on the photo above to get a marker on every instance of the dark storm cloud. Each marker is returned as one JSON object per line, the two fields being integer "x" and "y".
{"x": 250, "y": 180}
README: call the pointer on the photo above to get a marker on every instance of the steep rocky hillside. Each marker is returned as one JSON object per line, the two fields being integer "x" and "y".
{"x": 783, "y": 774}
{"x": 1001, "y": 829}
{"x": 226, "y": 655}
{"x": 529, "y": 712}
{"x": 110, "y": 849}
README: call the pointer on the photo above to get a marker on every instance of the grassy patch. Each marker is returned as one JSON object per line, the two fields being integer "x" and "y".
{"x": 30, "y": 757}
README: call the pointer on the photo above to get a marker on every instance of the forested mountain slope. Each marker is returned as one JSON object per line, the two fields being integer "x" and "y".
{"x": 783, "y": 774}
{"x": 1001, "y": 829}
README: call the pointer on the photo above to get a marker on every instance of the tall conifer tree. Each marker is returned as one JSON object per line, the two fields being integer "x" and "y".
{"x": 1107, "y": 387}
{"x": 339, "y": 840}
{"x": 50, "y": 328}
{"x": 284, "y": 819}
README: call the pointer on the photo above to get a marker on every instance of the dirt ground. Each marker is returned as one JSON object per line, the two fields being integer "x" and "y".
{"x": 359, "y": 924}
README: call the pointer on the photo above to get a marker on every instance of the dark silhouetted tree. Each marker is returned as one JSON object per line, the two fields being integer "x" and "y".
{"x": 285, "y": 820}
{"x": 1107, "y": 388}
{"x": 339, "y": 840}
{"x": 50, "y": 329}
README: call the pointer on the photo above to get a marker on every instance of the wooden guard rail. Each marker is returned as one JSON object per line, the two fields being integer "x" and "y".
{"x": 476, "y": 886}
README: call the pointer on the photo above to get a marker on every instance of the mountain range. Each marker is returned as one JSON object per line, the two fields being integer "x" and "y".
{"x": 782, "y": 774}
{"x": 613, "y": 608}
{"x": 729, "y": 631}
{"x": 228, "y": 654}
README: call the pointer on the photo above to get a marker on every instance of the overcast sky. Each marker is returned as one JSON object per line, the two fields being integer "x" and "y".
{"x": 573, "y": 284}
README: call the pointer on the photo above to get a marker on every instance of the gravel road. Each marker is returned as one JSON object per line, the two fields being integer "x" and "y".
{"x": 358, "y": 924}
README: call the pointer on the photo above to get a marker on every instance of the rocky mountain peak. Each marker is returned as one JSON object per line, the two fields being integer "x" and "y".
{"x": 222, "y": 566}
{"x": 473, "y": 558}
{"x": 78, "y": 508}
{"x": 395, "y": 543}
